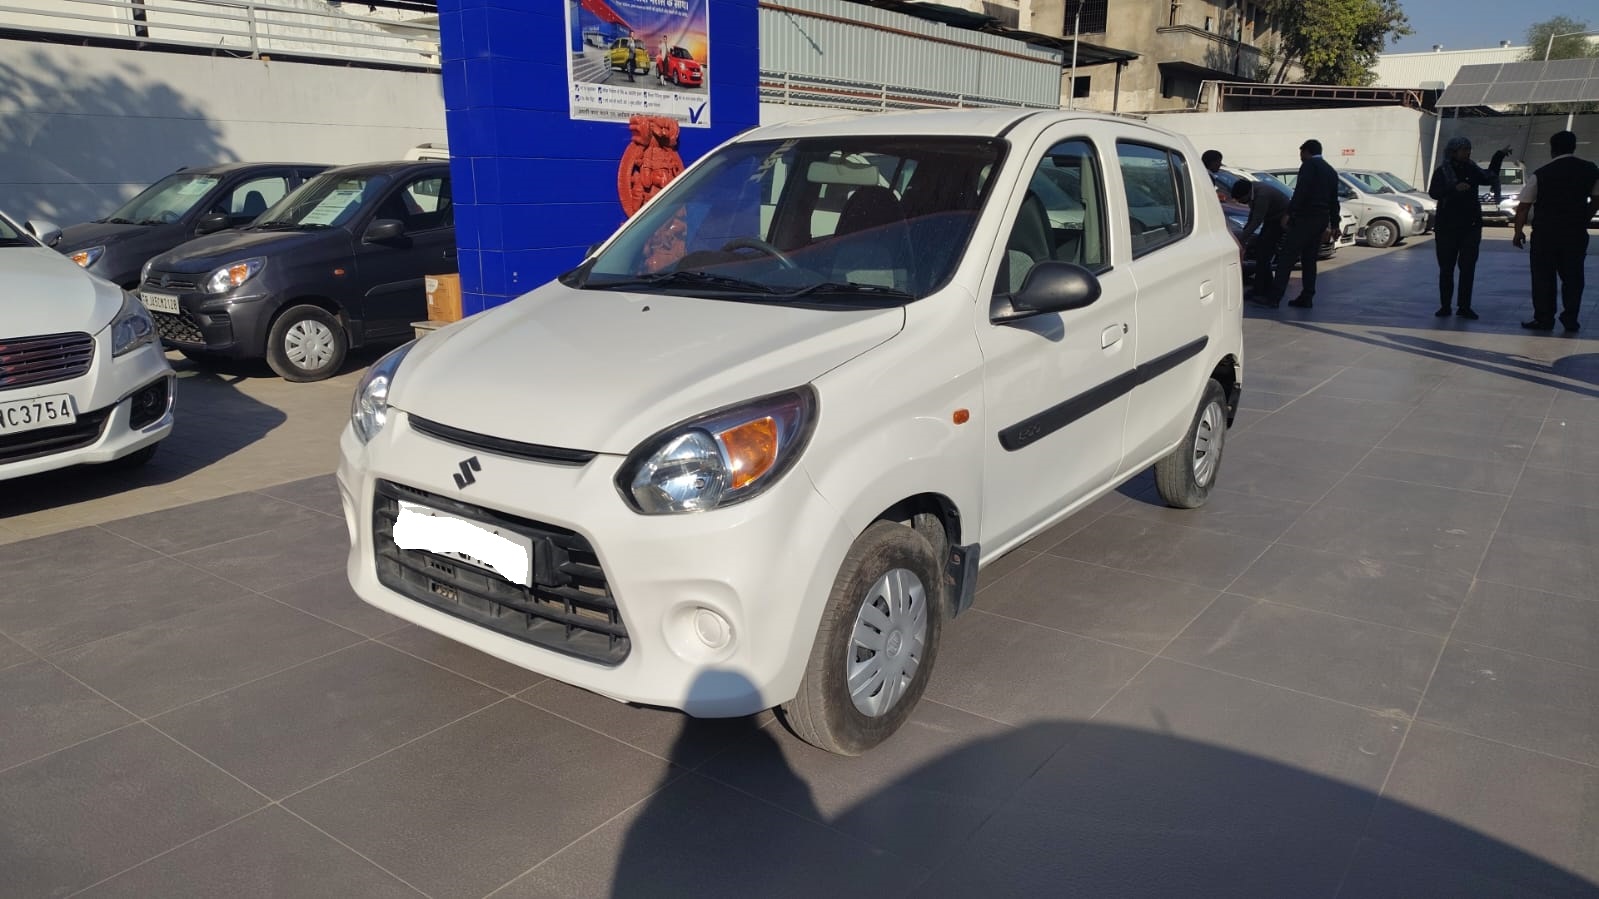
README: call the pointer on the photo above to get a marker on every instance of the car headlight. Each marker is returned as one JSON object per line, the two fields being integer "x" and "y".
{"x": 87, "y": 256}
{"x": 719, "y": 459}
{"x": 132, "y": 328}
{"x": 144, "y": 272}
{"x": 369, "y": 411}
{"x": 1408, "y": 206}
{"x": 232, "y": 275}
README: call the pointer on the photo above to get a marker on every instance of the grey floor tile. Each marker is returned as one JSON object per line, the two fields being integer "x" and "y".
{"x": 1104, "y": 603}
{"x": 320, "y": 493}
{"x": 48, "y": 618}
{"x": 665, "y": 733}
{"x": 1358, "y": 662}
{"x": 1350, "y": 745}
{"x": 1317, "y": 457}
{"x": 1514, "y": 815}
{"x": 1186, "y": 554}
{"x": 1552, "y": 522}
{"x": 155, "y": 668}
{"x": 269, "y": 853}
{"x": 13, "y": 653}
{"x": 1403, "y": 536}
{"x": 1441, "y": 471}
{"x": 1382, "y": 870}
{"x": 1263, "y": 399}
{"x": 1004, "y": 566}
{"x": 1561, "y": 628}
{"x": 1571, "y": 405}
{"x": 1406, "y": 388}
{"x": 1573, "y": 488}
{"x": 43, "y": 710}
{"x": 697, "y": 838}
{"x": 278, "y": 558}
{"x": 1524, "y": 701}
{"x": 290, "y": 730}
{"x": 476, "y": 804}
{"x": 329, "y": 596}
{"x": 1016, "y": 672}
{"x": 1335, "y": 420}
{"x": 918, "y": 795}
{"x": 1505, "y": 422}
{"x": 1226, "y": 512}
{"x": 1479, "y": 511}
{"x": 208, "y": 523}
{"x": 1567, "y": 446}
{"x": 462, "y": 659}
{"x": 1571, "y": 569}
{"x": 1274, "y": 480}
{"x": 1364, "y": 588}
{"x": 1436, "y": 442}
{"x": 28, "y": 565}
{"x": 85, "y": 813}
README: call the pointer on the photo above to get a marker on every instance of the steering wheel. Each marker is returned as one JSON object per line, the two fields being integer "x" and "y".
{"x": 760, "y": 246}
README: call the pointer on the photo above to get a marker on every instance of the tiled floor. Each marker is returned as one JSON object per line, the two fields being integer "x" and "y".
{"x": 1369, "y": 668}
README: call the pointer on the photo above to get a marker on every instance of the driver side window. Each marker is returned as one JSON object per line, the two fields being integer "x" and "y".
{"x": 253, "y": 197}
{"x": 422, "y": 204}
{"x": 1061, "y": 219}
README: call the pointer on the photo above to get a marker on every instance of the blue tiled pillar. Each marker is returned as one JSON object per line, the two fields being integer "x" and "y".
{"x": 533, "y": 187}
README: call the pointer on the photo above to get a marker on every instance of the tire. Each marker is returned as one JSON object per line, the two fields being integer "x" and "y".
{"x": 133, "y": 460}
{"x": 1382, "y": 233}
{"x": 1185, "y": 477}
{"x": 306, "y": 343}
{"x": 887, "y": 560}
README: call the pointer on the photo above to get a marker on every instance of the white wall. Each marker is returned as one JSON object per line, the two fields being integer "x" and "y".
{"x": 83, "y": 128}
{"x": 1388, "y": 138}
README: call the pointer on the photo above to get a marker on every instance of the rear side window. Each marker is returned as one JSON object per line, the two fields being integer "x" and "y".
{"x": 1160, "y": 197}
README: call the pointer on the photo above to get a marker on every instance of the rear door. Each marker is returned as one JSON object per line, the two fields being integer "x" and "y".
{"x": 392, "y": 272}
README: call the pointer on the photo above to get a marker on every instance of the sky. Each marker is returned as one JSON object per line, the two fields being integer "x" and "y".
{"x": 1475, "y": 24}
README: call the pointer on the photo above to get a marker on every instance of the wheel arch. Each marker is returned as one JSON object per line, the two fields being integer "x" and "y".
{"x": 1228, "y": 372}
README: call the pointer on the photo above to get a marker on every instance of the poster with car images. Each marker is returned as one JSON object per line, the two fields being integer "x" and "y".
{"x": 639, "y": 57}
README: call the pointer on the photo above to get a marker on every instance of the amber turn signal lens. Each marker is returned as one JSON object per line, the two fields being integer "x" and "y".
{"x": 81, "y": 257}
{"x": 962, "y": 416}
{"x": 238, "y": 273}
{"x": 751, "y": 449}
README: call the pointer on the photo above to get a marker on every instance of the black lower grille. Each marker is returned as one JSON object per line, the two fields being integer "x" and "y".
{"x": 180, "y": 328}
{"x": 48, "y": 441}
{"x": 569, "y": 608}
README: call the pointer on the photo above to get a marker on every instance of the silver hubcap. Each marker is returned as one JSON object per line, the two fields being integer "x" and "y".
{"x": 1380, "y": 234}
{"x": 886, "y": 645}
{"x": 309, "y": 344}
{"x": 1208, "y": 438}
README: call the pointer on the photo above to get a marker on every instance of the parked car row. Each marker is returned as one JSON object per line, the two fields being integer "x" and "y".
{"x": 1384, "y": 218}
{"x": 294, "y": 263}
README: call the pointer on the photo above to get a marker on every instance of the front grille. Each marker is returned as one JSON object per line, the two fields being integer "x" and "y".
{"x": 168, "y": 281}
{"x": 569, "y": 608}
{"x": 500, "y": 446}
{"x": 180, "y": 328}
{"x": 46, "y": 441}
{"x": 25, "y": 361}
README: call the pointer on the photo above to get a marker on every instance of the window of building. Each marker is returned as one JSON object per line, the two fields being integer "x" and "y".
{"x": 1095, "y": 15}
{"x": 1080, "y": 86}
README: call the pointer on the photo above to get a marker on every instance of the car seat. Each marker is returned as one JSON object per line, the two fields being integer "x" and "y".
{"x": 254, "y": 204}
{"x": 883, "y": 258}
{"x": 1031, "y": 242}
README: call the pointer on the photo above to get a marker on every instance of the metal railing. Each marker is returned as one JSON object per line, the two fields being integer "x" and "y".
{"x": 233, "y": 27}
{"x": 788, "y": 89}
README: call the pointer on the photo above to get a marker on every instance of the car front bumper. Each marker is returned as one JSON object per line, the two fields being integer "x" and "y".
{"x": 719, "y": 609}
{"x": 231, "y": 326}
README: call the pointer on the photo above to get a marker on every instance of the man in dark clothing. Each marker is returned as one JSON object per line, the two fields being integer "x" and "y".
{"x": 1267, "y": 206}
{"x": 1563, "y": 197}
{"x": 1211, "y": 160}
{"x": 1312, "y": 218}
{"x": 1458, "y": 237}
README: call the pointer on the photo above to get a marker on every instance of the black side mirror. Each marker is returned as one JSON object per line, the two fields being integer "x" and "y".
{"x": 211, "y": 223}
{"x": 384, "y": 230}
{"x": 1049, "y": 287}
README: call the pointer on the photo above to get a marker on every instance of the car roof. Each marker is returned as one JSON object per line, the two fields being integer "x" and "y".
{"x": 228, "y": 168}
{"x": 994, "y": 122}
{"x": 394, "y": 167}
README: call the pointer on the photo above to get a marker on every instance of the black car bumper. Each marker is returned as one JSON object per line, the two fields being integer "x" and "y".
{"x": 230, "y": 326}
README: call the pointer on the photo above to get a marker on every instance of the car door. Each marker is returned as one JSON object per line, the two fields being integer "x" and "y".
{"x": 1055, "y": 385}
{"x": 1185, "y": 272}
{"x": 392, "y": 272}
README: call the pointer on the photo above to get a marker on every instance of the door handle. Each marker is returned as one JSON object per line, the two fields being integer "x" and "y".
{"x": 1111, "y": 336}
{"x": 1206, "y": 290}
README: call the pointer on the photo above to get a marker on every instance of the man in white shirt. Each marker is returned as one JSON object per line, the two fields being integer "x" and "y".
{"x": 1562, "y": 197}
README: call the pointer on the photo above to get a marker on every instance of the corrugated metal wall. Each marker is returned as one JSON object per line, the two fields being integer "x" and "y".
{"x": 983, "y": 65}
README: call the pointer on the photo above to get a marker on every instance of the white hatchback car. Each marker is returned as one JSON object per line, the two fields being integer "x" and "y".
{"x": 754, "y": 450}
{"x": 83, "y": 379}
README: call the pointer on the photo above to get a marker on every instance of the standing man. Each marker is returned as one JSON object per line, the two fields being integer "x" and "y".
{"x": 1312, "y": 219}
{"x": 1267, "y": 206}
{"x": 1459, "y": 223}
{"x": 1211, "y": 159}
{"x": 1562, "y": 197}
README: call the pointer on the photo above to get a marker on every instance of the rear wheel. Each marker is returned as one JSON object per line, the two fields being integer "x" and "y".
{"x": 1186, "y": 476}
{"x": 306, "y": 344}
{"x": 876, "y": 644}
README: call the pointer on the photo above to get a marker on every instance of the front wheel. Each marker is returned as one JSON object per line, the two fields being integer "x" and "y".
{"x": 1382, "y": 233}
{"x": 876, "y": 644}
{"x": 306, "y": 344}
{"x": 1187, "y": 474}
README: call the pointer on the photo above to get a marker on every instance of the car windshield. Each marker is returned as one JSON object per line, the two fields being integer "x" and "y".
{"x": 836, "y": 220}
{"x": 1396, "y": 182}
{"x": 165, "y": 201}
{"x": 327, "y": 201}
{"x": 680, "y": 53}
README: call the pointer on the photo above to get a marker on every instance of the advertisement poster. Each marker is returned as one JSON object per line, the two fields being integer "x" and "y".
{"x": 640, "y": 57}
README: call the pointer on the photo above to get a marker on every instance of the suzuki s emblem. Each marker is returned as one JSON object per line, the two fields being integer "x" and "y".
{"x": 466, "y": 479}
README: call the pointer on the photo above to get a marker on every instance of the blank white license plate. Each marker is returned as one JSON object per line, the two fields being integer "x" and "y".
{"x": 17, "y": 416}
{"x": 160, "y": 302}
{"x": 506, "y": 553}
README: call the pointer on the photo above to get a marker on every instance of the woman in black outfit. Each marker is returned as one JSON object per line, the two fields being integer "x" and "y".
{"x": 1459, "y": 226}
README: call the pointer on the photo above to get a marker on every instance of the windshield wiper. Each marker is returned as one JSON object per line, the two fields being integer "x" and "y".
{"x": 148, "y": 222}
{"x": 115, "y": 221}
{"x": 691, "y": 278}
{"x": 854, "y": 288}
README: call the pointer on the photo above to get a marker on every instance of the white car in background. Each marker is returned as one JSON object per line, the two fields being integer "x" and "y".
{"x": 83, "y": 379}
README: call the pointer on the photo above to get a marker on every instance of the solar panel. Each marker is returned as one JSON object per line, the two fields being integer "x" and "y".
{"x": 1555, "y": 81}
